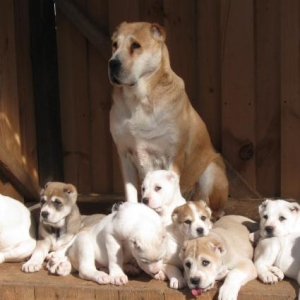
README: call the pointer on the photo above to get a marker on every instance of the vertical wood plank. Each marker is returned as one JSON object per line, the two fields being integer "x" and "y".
{"x": 17, "y": 292}
{"x": 267, "y": 108}
{"x": 208, "y": 103}
{"x": 290, "y": 103}
{"x": 152, "y": 11}
{"x": 238, "y": 88}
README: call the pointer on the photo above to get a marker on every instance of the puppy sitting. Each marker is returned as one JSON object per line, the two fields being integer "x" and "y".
{"x": 17, "y": 231}
{"x": 190, "y": 220}
{"x": 59, "y": 222}
{"x": 161, "y": 192}
{"x": 225, "y": 253}
{"x": 132, "y": 230}
{"x": 278, "y": 250}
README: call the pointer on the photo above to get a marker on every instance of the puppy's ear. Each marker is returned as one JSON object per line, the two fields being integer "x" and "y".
{"x": 158, "y": 32}
{"x": 71, "y": 192}
{"x": 135, "y": 244}
{"x": 172, "y": 176}
{"x": 217, "y": 247}
{"x": 263, "y": 205}
{"x": 294, "y": 207}
{"x": 175, "y": 213}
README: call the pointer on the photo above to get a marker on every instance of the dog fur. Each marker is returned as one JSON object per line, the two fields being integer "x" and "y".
{"x": 161, "y": 192}
{"x": 60, "y": 220}
{"x": 17, "y": 231}
{"x": 132, "y": 230}
{"x": 225, "y": 253}
{"x": 153, "y": 123}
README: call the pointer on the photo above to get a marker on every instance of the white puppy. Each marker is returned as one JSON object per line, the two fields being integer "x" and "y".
{"x": 17, "y": 231}
{"x": 132, "y": 230}
{"x": 278, "y": 251}
{"x": 161, "y": 192}
{"x": 225, "y": 253}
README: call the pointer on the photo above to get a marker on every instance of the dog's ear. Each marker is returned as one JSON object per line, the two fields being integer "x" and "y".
{"x": 294, "y": 207}
{"x": 217, "y": 247}
{"x": 175, "y": 213}
{"x": 135, "y": 244}
{"x": 158, "y": 32}
{"x": 71, "y": 192}
{"x": 171, "y": 175}
{"x": 263, "y": 205}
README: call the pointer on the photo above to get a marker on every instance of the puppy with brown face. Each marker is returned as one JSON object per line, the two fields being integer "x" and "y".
{"x": 60, "y": 220}
{"x": 225, "y": 253}
{"x": 153, "y": 123}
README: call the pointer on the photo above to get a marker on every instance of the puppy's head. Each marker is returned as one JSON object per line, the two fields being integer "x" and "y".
{"x": 149, "y": 250}
{"x": 57, "y": 200}
{"x": 202, "y": 262}
{"x": 159, "y": 189}
{"x": 136, "y": 52}
{"x": 278, "y": 217}
{"x": 192, "y": 219}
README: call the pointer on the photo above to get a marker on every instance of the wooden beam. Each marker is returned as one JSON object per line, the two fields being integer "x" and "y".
{"x": 15, "y": 173}
{"x": 99, "y": 40}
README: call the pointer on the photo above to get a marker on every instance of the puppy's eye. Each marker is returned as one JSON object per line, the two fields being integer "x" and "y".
{"x": 115, "y": 45}
{"x": 188, "y": 222}
{"x": 43, "y": 201}
{"x": 57, "y": 203}
{"x": 281, "y": 218}
{"x": 134, "y": 46}
{"x": 203, "y": 218}
{"x": 265, "y": 217}
{"x": 157, "y": 188}
{"x": 188, "y": 264}
{"x": 143, "y": 189}
{"x": 205, "y": 263}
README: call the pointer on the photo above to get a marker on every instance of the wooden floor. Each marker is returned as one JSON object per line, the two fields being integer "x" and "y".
{"x": 16, "y": 285}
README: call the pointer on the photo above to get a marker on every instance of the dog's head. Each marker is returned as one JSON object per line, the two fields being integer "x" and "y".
{"x": 159, "y": 188}
{"x": 149, "y": 250}
{"x": 136, "y": 52}
{"x": 192, "y": 219}
{"x": 278, "y": 218}
{"x": 57, "y": 200}
{"x": 202, "y": 261}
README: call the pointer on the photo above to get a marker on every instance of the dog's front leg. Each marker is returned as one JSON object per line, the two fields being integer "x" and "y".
{"x": 34, "y": 264}
{"x": 115, "y": 260}
{"x": 175, "y": 276}
{"x": 130, "y": 178}
{"x": 264, "y": 257}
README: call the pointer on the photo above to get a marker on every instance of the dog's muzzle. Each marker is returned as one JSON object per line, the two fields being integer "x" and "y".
{"x": 114, "y": 66}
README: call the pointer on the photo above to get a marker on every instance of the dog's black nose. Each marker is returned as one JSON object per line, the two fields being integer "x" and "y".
{"x": 114, "y": 66}
{"x": 145, "y": 200}
{"x": 269, "y": 229}
{"x": 200, "y": 231}
{"x": 195, "y": 280}
{"x": 45, "y": 214}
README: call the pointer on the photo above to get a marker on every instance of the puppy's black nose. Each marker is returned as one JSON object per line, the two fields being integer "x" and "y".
{"x": 114, "y": 66}
{"x": 200, "y": 231}
{"x": 145, "y": 200}
{"x": 195, "y": 280}
{"x": 269, "y": 229}
{"x": 45, "y": 214}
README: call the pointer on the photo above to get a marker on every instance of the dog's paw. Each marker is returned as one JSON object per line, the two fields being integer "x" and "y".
{"x": 160, "y": 276}
{"x": 131, "y": 270}
{"x": 177, "y": 283}
{"x": 31, "y": 266}
{"x": 2, "y": 258}
{"x": 227, "y": 294}
{"x": 61, "y": 267}
{"x": 103, "y": 278}
{"x": 118, "y": 279}
{"x": 272, "y": 276}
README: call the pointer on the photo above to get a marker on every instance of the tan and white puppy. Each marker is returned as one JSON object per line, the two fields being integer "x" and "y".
{"x": 161, "y": 192}
{"x": 225, "y": 253}
{"x": 132, "y": 230}
{"x": 17, "y": 231}
{"x": 60, "y": 220}
{"x": 190, "y": 220}
{"x": 153, "y": 123}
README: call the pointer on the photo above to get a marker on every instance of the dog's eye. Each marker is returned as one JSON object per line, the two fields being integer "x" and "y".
{"x": 115, "y": 45}
{"x": 57, "y": 203}
{"x": 157, "y": 188}
{"x": 205, "y": 263}
{"x": 265, "y": 217}
{"x": 188, "y": 264}
{"x": 203, "y": 218}
{"x": 282, "y": 218}
{"x": 143, "y": 189}
{"x": 188, "y": 222}
{"x": 43, "y": 201}
{"x": 134, "y": 46}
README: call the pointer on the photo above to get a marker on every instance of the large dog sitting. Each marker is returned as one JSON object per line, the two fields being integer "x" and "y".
{"x": 153, "y": 123}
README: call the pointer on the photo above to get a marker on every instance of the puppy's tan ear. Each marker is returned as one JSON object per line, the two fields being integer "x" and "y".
{"x": 175, "y": 213}
{"x": 158, "y": 32}
{"x": 71, "y": 191}
{"x": 217, "y": 247}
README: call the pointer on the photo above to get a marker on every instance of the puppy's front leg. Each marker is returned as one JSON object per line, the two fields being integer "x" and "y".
{"x": 264, "y": 257}
{"x": 115, "y": 260}
{"x": 34, "y": 264}
{"x": 130, "y": 178}
{"x": 175, "y": 276}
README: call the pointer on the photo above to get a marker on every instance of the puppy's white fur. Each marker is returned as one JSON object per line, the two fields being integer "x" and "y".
{"x": 161, "y": 192}
{"x": 17, "y": 231}
{"x": 278, "y": 250}
{"x": 132, "y": 231}
{"x": 225, "y": 253}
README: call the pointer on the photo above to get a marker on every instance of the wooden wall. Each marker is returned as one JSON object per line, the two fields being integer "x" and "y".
{"x": 240, "y": 63}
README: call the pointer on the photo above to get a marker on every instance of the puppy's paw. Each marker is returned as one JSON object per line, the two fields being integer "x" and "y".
{"x": 2, "y": 258}
{"x": 272, "y": 276}
{"x": 103, "y": 278}
{"x": 160, "y": 276}
{"x": 131, "y": 270}
{"x": 118, "y": 279}
{"x": 61, "y": 267}
{"x": 228, "y": 293}
{"x": 177, "y": 283}
{"x": 31, "y": 266}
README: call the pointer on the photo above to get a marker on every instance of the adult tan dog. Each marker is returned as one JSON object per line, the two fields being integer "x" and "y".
{"x": 153, "y": 123}
{"x": 225, "y": 253}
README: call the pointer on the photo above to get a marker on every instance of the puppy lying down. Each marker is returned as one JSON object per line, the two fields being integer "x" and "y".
{"x": 133, "y": 230}
{"x": 224, "y": 254}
